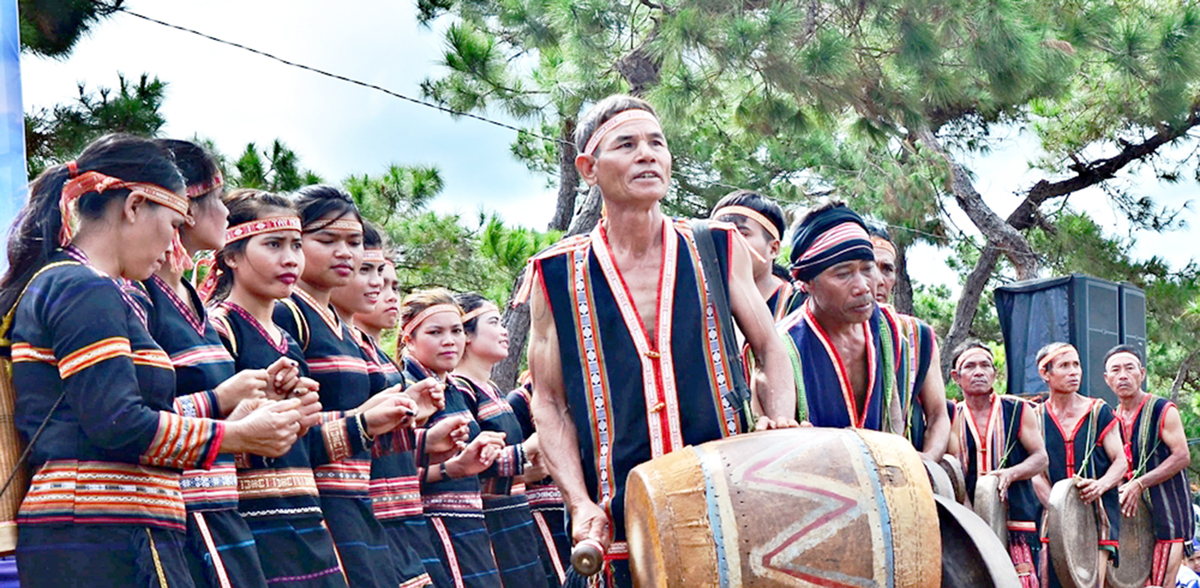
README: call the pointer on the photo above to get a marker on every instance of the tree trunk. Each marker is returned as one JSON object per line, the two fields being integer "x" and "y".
{"x": 995, "y": 229}
{"x": 968, "y": 304}
{"x": 1189, "y": 363}
{"x": 588, "y": 215}
{"x": 568, "y": 177}
{"x": 902, "y": 292}
{"x": 516, "y": 318}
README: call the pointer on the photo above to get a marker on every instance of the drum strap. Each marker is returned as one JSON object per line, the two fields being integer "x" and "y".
{"x": 739, "y": 391}
{"x": 1145, "y": 430}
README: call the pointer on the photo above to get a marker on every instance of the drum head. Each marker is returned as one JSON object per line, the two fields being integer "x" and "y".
{"x": 942, "y": 486}
{"x": 990, "y": 508}
{"x": 1137, "y": 551}
{"x": 1073, "y": 541}
{"x": 971, "y": 554}
{"x": 959, "y": 481}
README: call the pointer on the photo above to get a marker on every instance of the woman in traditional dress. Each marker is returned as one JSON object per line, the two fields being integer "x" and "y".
{"x": 506, "y": 510}
{"x": 433, "y": 339}
{"x": 545, "y": 500}
{"x": 395, "y": 487}
{"x": 332, "y": 242}
{"x": 260, "y": 263}
{"x": 94, "y": 391}
{"x": 220, "y": 549}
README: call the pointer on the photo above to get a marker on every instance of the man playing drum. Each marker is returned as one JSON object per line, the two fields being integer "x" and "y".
{"x": 1158, "y": 455}
{"x": 856, "y": 363}
{"x": 999, "y": 436}
{"x": 627, "y": 354}
{"x": 1083, "y": 442}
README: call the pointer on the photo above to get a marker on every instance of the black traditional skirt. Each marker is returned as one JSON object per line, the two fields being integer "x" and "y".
{"x": 464, "y": 550}
{"x": 297, "y": 552}
{"x": 361, "y": 542}
{"x": 514, "y": 540}
{"x": 83, "y": 556}
{"x": 221, "y": 552}
{"x": 408, "y": 555}
{"x": 550, "y": 519}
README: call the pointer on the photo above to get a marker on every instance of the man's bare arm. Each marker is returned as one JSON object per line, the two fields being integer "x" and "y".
{"x": 1090, "y": 490}
{"x": 556, "y": 431}
{"x": 933, "y": 402}
{"x": 1031, "y": 438}
{"x": 954, "y": 447}
{"x": 1180, "y": 458}
{"x": 776, "y": 390}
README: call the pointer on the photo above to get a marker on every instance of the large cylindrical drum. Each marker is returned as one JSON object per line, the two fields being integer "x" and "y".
{"x": 795, "y": 507}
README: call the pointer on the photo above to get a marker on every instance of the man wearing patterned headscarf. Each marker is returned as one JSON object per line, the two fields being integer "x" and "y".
{"x": 855, "y": 365}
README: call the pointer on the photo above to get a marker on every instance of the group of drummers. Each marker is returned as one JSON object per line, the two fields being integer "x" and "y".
{"x": 200, "y": 382}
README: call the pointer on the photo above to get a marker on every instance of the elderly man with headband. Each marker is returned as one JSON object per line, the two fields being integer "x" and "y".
{"x": 856, "y": 365}
{"x": 994, "y": 435}
{"x": 1083, "y": 440}
{"x": 624, "y": 329}
{"x": 1157, "y": 452}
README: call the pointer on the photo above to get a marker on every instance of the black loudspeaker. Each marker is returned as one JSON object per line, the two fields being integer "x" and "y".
{"x": 1092, "y": 314}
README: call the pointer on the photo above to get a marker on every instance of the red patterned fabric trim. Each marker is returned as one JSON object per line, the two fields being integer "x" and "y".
{"x": 96, "y": 492}
{"x": 184, "y": 442}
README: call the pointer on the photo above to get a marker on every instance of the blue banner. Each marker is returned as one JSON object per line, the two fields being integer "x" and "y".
{"x": 13, "y": 180}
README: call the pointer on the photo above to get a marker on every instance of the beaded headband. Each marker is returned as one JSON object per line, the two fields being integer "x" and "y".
{"x": 751, "y": 214}
{"x": 374, "y": 256}
{"x": 198, "y": 190}
{"x": 1050, "y": 357}
{"x": 478, "y": 312}
{"x": 881, "y": 243}
{"x": 617, "y": 120}
{"x": 416, "y": 321}
{"x": 337, "y": 225}
{"x": 260, "y": 226}
{"x": 92, "y": 181}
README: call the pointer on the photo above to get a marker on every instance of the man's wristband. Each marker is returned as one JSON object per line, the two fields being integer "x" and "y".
{"x": 442, "y": 470}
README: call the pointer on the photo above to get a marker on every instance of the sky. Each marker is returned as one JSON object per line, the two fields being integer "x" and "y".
{"x": 234, "y": 97}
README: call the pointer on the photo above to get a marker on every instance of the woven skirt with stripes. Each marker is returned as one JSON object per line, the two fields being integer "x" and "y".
{"x": 514, "y": 539}
{"x": 84, "y": 556}
{"x": 463, "y": 550}
{"x": 297, "y": 552}
{"x": 550, "y": 519}
{"x": 411, "y": 549}
{"x": 221, "y": 552}
{"x": 361, "y": 542}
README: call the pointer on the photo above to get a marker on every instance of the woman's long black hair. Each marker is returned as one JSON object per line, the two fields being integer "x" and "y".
{"x": 33, "y": 238}
{"x": 314, "y": 203}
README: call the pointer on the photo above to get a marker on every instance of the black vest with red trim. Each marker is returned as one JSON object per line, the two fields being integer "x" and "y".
{"x": 632, "y": 398}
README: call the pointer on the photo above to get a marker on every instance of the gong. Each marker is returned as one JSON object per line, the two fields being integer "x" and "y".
{"x": 990, "y": 508}
{"x": 1071, "y": 528}
{"x": 1137, "y": 550}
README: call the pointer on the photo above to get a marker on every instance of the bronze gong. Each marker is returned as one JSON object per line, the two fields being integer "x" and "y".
{"x": 990, "y": 508}
{"x": 1071, "y": 528}
{"x": 1137, "y": 551}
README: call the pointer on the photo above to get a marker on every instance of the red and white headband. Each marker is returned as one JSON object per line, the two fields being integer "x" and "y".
{"x": 374, "y": 256}
{"x": 617, "y": 120}
{"x": 341, "y": 224}
{"x": 92, "y": 181}
{"x": 751, "y": 214}
{"x": 260, "y": 226}
{"x": 416, "y": 321}
{"x": 198, "y": 190}
{"x": 478, "y": 312}
{"x": 1050, "y": 357}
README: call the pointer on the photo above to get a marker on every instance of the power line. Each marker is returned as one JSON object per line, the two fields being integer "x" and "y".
{"x": 340, "y": 77}
{"x": 453, "y": 112}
